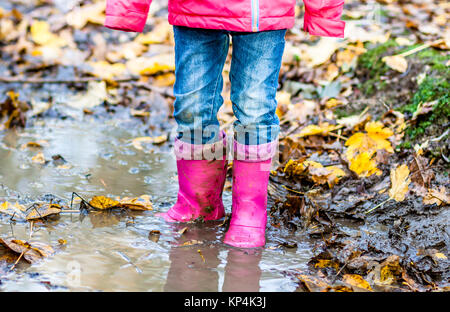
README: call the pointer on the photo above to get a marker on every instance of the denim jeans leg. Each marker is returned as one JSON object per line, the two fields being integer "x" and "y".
{"x": 200, "y": 55}
{"x": 255, "y": 68}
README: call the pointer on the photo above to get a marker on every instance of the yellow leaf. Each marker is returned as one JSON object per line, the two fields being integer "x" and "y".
{"x": 102, "y": 202}
{"x": 336, "y": 174}
{"x": 396, "y": 62}
{"x": 106, "y": 70}
{"x": 440, "y": 255}
{"x": 374, "y": 139}
{"x": 40, "y": 34}
{"x": 152, "y": 65}
{"x": 159, "y": 34}
{"x": 38, "y": 158}
{"x": 364, "y": 166}
{"x": 165, "y": 80}
{"x": 322, "y": 263}
{"x": 322, "y": 129}
{"x": 400, "y": 181}
{"x": 357, "y": 281}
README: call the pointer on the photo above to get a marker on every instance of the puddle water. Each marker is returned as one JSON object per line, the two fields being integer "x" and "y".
{"x": 112, "y": 251}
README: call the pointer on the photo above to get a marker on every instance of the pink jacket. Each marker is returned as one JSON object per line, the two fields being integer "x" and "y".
{"x": 322, "y": 17}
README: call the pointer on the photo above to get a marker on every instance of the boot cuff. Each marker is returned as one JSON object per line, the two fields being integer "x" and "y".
{"x": 213, "y": 151}
{"x": 255, "y": 153}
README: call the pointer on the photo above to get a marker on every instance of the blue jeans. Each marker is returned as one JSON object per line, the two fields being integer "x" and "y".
{"x": 200, "y": 55}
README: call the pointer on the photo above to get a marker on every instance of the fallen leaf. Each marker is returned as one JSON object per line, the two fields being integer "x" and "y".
{"x": 356, "y": 281}
{"x": 322, "y": 129}
{"x": 138, "y": 203}
{"x": 437, "y": 197}
{"x": 43, "y": 210}
{"x": 364, "y": 165}
{"x": 420, "y": 173}
{"x": 32, "y": 252}
{"x": 159, "y": 34}
{"x": 400, "y": 181}
{"x": 152, "y": 65}
{"x": 38, "y": 158}
{"x": 396, "y": 62}
{"x": 40, "y": 34}
{"x": 102, "y": 202}
{"x": 138, "y": 142}
{"x": 374, "y": 139}
{"x": 13, "y": 209}
{"x": 105, "y": 70}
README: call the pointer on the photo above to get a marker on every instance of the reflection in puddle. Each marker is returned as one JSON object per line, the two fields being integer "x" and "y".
{"x": 111, "y": 251}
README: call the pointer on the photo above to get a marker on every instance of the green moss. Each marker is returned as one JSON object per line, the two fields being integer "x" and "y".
{"x": 431, "y": 89}
{"x": 434, "y": 58}
{"x": 371, "y": 63}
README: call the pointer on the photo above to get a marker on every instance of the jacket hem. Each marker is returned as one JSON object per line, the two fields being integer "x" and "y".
{"x": 230, "y": 24}
{"x": 131, "y": 21}
{"x": 324, "y": 27}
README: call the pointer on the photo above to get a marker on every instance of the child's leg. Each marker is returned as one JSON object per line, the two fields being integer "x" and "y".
{"x": 200, "y": 55}
{"x": 199, "y": 58}
{"x": 254, "y": 74}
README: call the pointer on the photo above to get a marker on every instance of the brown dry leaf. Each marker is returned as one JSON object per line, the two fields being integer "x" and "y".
{"x": 32, "y": 252}
{"x": 351, "y": 122}
{"x": 139, "y": 203}
{"x": 420, "y": 173}
{"x": 330, "y": 175}
{"x": 400, "y": 181}
{"x": 138, "y": 142}
{"x": 13, "y": 209}
{"x": 191, "y": 243}
{"x": 102, "y": 202}
{"x": 437, "y": 197}
{"x": 356, "y": 281}
{"x": 42, "y": 211}
{"x": 396, "y": 62}
{"x": 313, "y": 283}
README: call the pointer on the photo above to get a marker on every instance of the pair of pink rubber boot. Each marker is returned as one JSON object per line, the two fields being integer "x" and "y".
{"x": 201, "y": 185}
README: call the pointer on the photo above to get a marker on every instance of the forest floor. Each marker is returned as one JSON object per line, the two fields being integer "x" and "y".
{"x": 363, "y": 168}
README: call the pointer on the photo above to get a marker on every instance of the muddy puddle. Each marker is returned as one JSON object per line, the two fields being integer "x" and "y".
{"x": 114, "y": 251}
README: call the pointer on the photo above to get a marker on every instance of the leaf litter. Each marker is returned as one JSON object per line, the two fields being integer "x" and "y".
{"x": 333, "y": 165}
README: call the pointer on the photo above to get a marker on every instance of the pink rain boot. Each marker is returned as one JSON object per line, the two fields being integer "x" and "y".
{"x": 200, "y": 184}
{"x": 249, "y": 212}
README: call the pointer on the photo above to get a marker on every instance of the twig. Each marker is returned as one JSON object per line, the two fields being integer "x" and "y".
{"x": 17, "y": 261}
{"x": 380, "y": 204}
{"x": 419, "y": 48}
{"x": 298, "y": 192}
